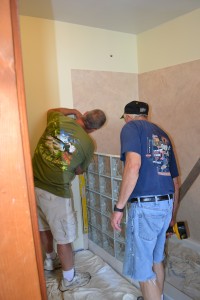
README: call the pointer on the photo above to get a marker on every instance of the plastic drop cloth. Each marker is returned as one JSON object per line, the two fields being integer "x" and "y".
{"x": 105, "y": 284}
{"x": 183, "y": 269}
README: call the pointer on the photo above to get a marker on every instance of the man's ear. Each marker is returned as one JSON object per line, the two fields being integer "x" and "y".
{"x": 91, "y": 130}
{"x": 127, "y": 118}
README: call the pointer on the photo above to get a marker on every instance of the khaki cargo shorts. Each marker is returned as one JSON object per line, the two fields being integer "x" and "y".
{"x": 56, "y": 214}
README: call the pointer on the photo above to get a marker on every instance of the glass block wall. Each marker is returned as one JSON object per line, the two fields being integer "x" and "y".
{"x": 103, "y": 180}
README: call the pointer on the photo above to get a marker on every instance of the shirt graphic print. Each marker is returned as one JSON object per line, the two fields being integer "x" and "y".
{"x": 158, "y": 150}
{"x": 58, "y": 148}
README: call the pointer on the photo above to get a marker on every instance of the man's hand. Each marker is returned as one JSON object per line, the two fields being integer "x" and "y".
{"x": 77, "y": 113}
{"x": 171, "y": 224}
{"x": 116, "y": 220}
{"x": 79, "y": 171}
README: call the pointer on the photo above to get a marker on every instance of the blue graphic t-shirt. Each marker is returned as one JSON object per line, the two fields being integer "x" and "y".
{"x": 158, "y": 164}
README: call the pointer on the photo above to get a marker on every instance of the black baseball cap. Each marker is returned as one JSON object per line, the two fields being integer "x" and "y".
{"x": 136, "y": 108}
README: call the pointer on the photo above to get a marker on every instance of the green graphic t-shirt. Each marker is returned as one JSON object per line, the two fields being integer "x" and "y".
{"x": 61, "y": 149}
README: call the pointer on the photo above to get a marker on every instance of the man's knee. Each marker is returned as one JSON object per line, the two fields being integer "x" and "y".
{"x": 148, "y": 282}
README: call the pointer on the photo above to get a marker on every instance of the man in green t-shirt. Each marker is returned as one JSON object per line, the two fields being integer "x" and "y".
{"x": 64, "y": 150}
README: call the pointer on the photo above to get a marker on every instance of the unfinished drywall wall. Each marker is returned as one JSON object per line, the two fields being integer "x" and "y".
{"x": 109, "y": 91}
{"x": 173, "y": 94}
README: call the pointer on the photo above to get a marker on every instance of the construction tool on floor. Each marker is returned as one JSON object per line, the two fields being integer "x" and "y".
{"x": 180, "y": 229}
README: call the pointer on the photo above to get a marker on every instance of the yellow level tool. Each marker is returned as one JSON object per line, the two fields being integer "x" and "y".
{"x": 84, "y": 203}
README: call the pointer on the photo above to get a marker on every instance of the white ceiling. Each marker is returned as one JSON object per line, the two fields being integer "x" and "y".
{"x": 129, "y": 16}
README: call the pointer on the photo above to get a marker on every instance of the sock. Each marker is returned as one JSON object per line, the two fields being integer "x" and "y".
{"x": 68, "y": 275}
{"x": 162, "y": 297}
{"x": 51, "y": 255}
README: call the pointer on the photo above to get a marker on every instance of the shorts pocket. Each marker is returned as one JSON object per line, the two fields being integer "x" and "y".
{"x": 69, "y": 227}
{"x": 150, "y": 224}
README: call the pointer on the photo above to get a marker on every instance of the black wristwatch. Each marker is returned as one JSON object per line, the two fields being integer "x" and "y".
{"x": 118, "y": 209}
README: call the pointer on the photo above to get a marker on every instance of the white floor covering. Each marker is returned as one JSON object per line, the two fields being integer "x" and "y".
{"x": 105, "y": 284}
{"x": 183, "y": 269}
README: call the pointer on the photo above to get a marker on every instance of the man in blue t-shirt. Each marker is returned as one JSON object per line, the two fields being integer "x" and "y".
{"x": 150, "y": 186}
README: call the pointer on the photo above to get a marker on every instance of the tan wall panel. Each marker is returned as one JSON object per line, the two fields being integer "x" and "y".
{"x": 109, "y": 91}
{"x": 173, "y": 94}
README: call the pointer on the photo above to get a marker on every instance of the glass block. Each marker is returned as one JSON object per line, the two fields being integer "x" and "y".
{"x": 93, "y": 181}
{"x": 103, "y": 181}
{"x": 90, "y": 232}
{"x": 93, "y": 200}
{"x": 104, "y": 165}
{"x": 105, "y": 186}
{"x": 106, "y": 226}
{"x": 116, "y": 188}
{"x": 106, "y": 206}
{"x": 96, "y": 236}
{"x": 87, "y": 196}
{"x": 93, "y": 166}
{"x": 89, "y": 215}
{"x": 117, "y": 167}
{"x": 121, "y": 235}
{"x": 119, "y": 250}
{"x": 95, "y": 218}
{"x": 108, "y": 244}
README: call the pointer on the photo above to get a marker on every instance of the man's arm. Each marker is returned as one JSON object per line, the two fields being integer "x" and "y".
{"x": 129, "y": 180}
{"x": 176, "y": 201}
{"x": 79, "y": 170}
{"x": 67, "y": 111}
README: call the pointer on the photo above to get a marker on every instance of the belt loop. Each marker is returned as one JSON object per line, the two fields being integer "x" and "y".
{"x": 156, "y": 199}
{"x": 169, "y": 197}
{"x": 139, "y": 203}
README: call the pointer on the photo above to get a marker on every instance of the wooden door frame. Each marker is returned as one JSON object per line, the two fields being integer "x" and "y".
{"x": 21, "y": 259}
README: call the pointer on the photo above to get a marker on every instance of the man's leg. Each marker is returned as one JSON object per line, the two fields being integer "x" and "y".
{"x": 51, "y": 261}
{"x": 150, "y": 290}
{"x": 66, "y": 256}
{"x": 160, "y": 275}
{"x": 71, "y": 279}
{"x": 47, "y": 241}
{"x": 153, "y": 289}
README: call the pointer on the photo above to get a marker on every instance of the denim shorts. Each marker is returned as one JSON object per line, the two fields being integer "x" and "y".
{"x": 145, "y": 238}
{"x": 56, "y": 214}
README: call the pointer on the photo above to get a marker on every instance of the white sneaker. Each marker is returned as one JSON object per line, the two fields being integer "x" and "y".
{"x": 80, "y": 279}
{"x": 52, "y": 264}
